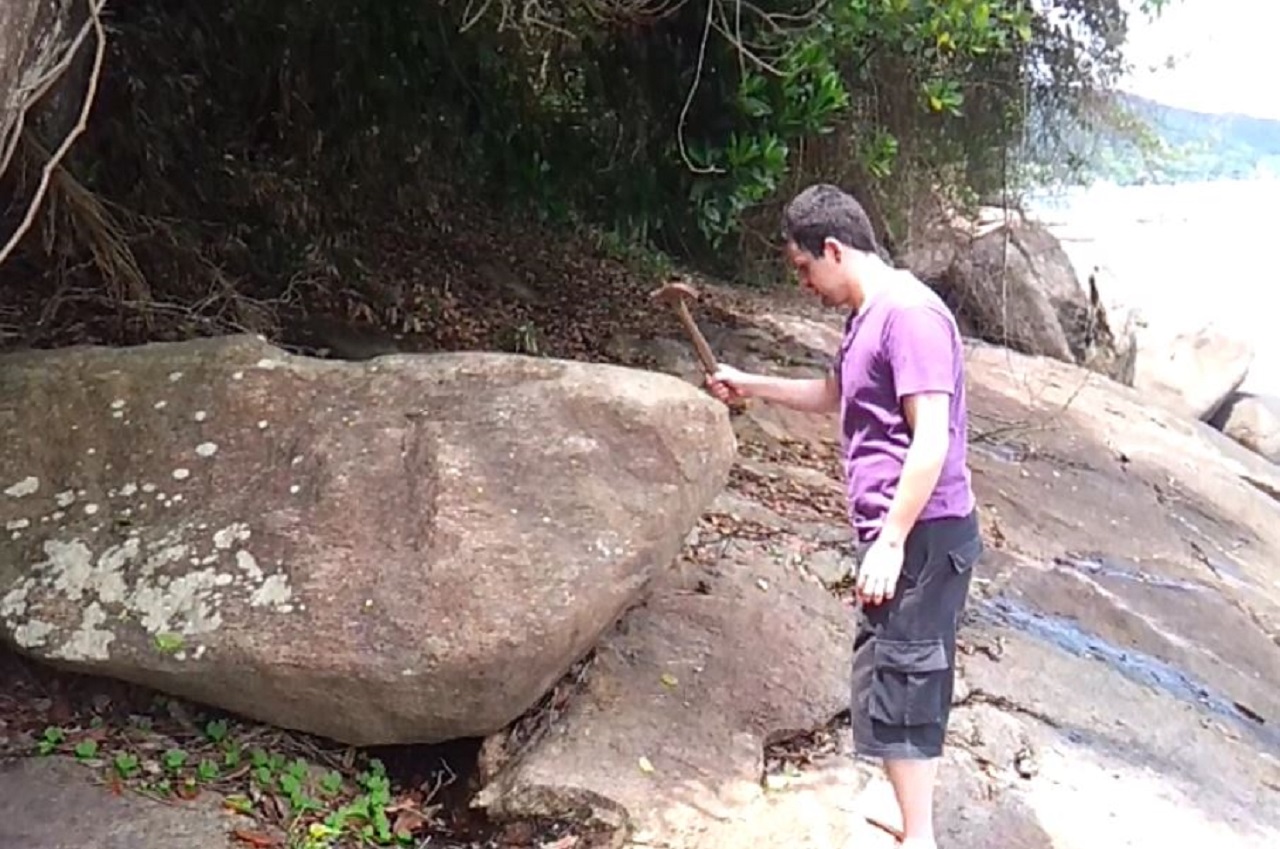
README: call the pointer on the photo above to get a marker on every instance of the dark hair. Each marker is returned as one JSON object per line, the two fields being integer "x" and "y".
{"x": 823, "y": 211}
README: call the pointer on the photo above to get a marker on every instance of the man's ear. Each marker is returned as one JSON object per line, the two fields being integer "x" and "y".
{"x": 832, "y": 249}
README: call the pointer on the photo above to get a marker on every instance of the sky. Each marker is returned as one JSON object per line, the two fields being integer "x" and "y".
{"x": 1222, "y": 52}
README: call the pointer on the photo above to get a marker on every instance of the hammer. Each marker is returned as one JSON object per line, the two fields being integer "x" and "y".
{"x": 677, "y": 295}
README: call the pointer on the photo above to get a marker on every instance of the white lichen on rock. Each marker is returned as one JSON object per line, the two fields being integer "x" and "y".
{"x": 206, "y": 449}
{"x": 32, "y": 634}
{"x": 29, "y": 485}
{"x": 68, "y": 604}
{"x": 274, "y": 592}
{"x": 248, "y": 564}
{"x": 224, "y": 538}
{"x": 181, "y": 474}
{"x": 90, "y": 641}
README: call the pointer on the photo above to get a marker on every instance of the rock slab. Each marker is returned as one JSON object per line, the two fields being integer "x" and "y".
{"x": 409, "y": 549}
{"x": 1192, "y": 373}
{"x": 52, "y": 804}
{"x": 667, "y": 744}
{"x": 1253, "y": 421}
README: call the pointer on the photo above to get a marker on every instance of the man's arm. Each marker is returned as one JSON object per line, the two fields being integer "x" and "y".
{"x": 920, "y": 348}
{"x": 809, "y": 395}
{"x": 929, "y": 416}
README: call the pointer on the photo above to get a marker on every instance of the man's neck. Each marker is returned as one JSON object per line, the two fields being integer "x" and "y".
{"x": 877, "y": 279}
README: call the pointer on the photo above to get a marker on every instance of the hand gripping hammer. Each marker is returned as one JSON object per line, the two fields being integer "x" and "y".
{"x": 677, "y": 295}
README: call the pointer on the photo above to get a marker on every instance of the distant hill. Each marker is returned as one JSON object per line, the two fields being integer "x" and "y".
{"x": 1166, "y": 144}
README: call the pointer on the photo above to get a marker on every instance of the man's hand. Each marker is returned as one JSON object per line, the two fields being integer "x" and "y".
{"x": 879, "y": 572}
{"x": 813, "y": 395}
{"x": 728, "y": 384}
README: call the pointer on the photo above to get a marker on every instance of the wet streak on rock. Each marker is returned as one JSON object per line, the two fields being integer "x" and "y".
{"x": 1266, "y": 488}
{"x": 1005, "y": 452}
{"x": 1103, "y": 566}
{"x": 1136, "y": 666}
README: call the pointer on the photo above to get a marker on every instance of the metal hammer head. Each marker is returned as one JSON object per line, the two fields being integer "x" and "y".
{"x": 672, "y": 293}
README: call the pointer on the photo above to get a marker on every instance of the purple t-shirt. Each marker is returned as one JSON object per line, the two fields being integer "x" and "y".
{"x": 903, "y": 341}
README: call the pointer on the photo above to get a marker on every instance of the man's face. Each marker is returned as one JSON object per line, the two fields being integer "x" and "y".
{"x": 822, "y": 275}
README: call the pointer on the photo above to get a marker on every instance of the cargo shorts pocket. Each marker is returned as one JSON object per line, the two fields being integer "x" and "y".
{"x": 909, "y": 682}
{"x": 964, "y": 556}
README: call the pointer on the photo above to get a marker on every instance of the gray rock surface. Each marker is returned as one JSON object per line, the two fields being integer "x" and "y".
{"x": 52, "y": 803}
{"x": 1192, "y": 373}
{"x": 1253, "y": 421}
{"x": 1120, "y": 660}
{"x": 668, "y": 740}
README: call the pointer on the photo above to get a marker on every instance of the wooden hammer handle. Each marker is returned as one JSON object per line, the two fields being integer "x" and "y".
{"x": 699, "y": 341}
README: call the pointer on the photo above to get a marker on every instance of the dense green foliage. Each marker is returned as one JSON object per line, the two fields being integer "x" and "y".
{"x": 262, "y": 137}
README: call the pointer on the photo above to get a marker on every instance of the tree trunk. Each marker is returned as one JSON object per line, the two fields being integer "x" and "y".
{"x": 34, "y": 35}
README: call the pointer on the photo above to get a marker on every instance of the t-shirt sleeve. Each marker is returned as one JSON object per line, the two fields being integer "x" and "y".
{"x": 921, "y": 352}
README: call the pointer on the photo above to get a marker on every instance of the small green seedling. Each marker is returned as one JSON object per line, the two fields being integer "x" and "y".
{"x": 50, "y": 740}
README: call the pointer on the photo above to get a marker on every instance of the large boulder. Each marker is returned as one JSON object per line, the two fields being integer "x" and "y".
{"x": 1192, "y": 373}
{"x": 413, "y": 548}
{"x": 1253, "y": 421}
{"x": 1010, "y": 282}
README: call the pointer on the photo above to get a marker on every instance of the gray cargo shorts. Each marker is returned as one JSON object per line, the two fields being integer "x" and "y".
{"x": 904, "y": 649}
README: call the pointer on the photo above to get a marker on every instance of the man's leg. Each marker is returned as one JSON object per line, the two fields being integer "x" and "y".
{"x": 913, "y": 782}
{"x": 903, "y": 670}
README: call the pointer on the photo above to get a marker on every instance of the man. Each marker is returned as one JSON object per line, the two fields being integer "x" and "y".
{"x": 898, "y": 384}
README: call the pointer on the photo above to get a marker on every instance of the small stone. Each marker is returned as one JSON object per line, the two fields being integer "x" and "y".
{"x": 1025, "y": 763}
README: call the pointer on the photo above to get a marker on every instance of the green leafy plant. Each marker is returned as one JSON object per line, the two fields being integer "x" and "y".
{"x": 126, "y": 764}
{"x": 50, "y": 740}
